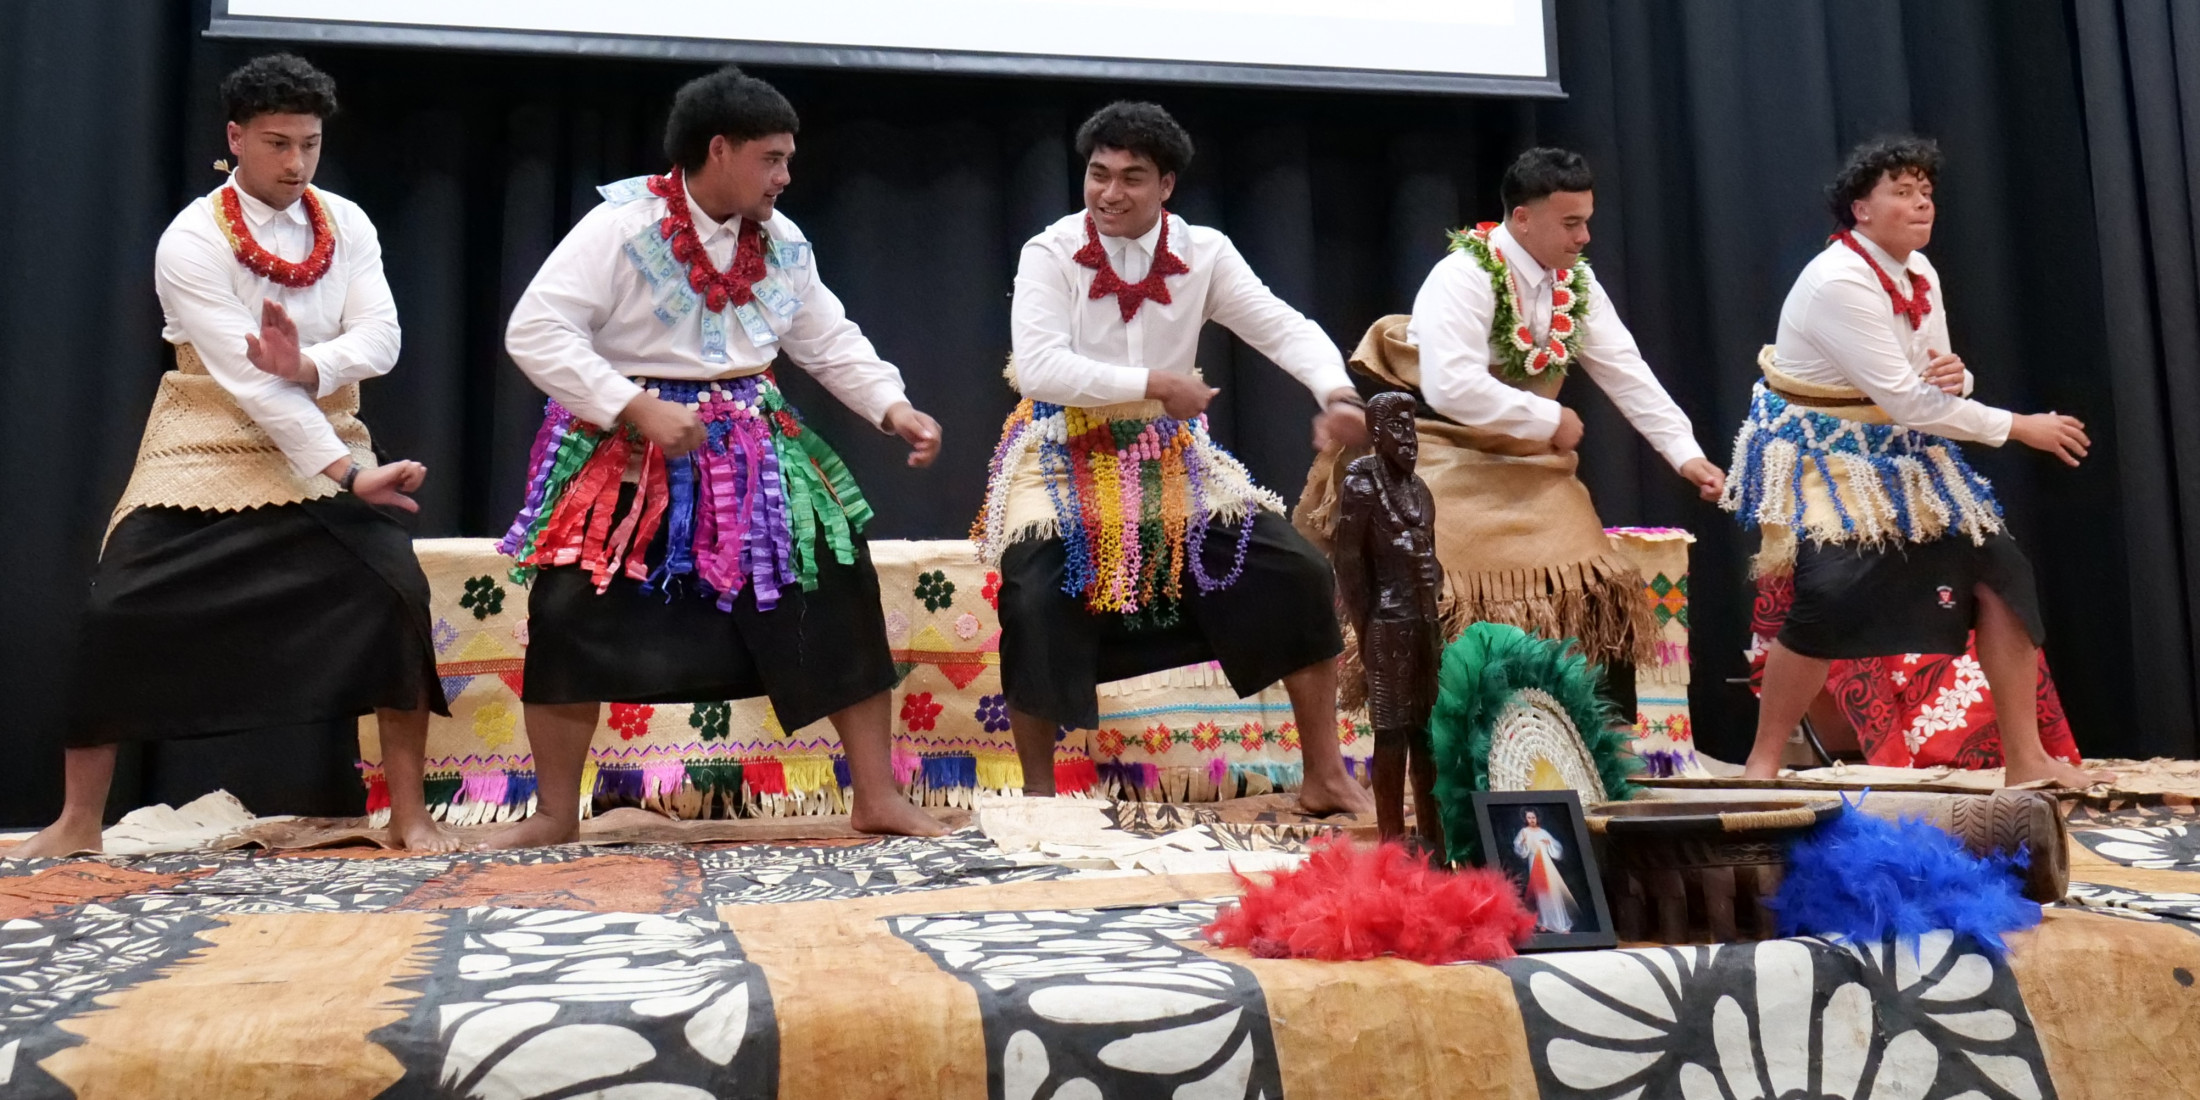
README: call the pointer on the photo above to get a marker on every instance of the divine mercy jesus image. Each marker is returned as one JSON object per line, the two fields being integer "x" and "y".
{"x": 1553, "y": 903}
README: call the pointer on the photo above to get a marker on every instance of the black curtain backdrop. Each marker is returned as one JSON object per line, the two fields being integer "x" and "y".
{"x": 1712, "y": 124}
{"x": 2140, "y": 62}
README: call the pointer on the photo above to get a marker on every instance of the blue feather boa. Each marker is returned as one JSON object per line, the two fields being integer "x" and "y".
{"x": 1863, "y": 878}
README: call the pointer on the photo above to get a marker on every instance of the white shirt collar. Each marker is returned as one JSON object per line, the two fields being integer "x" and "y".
{"x": 1517, "y": 256}
{"x": 1885, "y": 259}
{"x": 260, "y": 213}
{"x": 705, "y": 228}
{"x": 1147, "y": 240}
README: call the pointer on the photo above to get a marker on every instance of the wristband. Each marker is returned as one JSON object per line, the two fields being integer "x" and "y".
{"x": 351, "y": 474}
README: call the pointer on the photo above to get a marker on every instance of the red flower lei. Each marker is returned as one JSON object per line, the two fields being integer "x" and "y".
{"x": 1130, "y": 296}
{"x": 1914, "y": 307}
{"x": 718, "y": 288}
{"x": 229, "y": 217}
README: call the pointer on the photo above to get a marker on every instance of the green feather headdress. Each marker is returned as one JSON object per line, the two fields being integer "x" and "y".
{"x": 1483, "y": 670}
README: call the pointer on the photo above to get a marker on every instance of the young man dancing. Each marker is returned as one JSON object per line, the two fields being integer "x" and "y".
{"x": 252, "y": 576}
{"x": 1848, "y": 463}
{"x": 1495, "y": 331}
{"x": 692, "y": 539}
{"x": 1499, "y": 323}
{"x": 1127, "y": 540}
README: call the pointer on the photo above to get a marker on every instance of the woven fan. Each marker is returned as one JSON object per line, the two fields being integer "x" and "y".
{"x": 1515, "y": 712}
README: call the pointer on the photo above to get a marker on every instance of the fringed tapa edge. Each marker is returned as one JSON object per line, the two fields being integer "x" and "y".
{"x": 1599, "y": 605}
{"x": 795, "y": 785}
{"x": 818, "y": 784}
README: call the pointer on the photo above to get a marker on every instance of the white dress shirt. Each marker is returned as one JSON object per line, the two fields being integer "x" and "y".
{"x": 1451, "y": 327}
{"x": 1072, "y": 349}
{"x": 1839, "y": 328}
{"x": 590, "y": 320}
{"x": 347, "y": 323}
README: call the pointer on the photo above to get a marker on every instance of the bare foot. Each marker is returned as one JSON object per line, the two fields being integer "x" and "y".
{"x": 59, "y": 840}
{"x": 2063, "y": 775}
{"x": 892, "y": 816}
{"x": 539, "y": 831}
{"x": 1338, "y": 795}
{"x": 423, "y": 835}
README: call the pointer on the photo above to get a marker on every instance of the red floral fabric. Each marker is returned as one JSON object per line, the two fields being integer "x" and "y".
{"x": 1916, "y": 710}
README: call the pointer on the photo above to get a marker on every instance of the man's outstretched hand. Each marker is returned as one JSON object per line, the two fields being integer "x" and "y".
{"x": 921, "y": 432}
{"x": 275, "y": 349}
{"x": 2058, "y": 435}
{"x": 1709, "y": 480}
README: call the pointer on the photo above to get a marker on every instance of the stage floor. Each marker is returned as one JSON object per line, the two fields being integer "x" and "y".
{"x": 842, "y": 967}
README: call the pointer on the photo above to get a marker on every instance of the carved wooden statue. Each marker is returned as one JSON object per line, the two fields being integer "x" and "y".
{"x": 1390, "y": 583}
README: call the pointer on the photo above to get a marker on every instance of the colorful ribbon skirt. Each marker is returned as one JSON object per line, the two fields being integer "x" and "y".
{"x": 746, "y": 509}
{"x": 1131, "y": 497}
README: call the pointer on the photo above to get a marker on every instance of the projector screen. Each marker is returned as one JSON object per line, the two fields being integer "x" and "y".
{"x": 1502, "y": 47}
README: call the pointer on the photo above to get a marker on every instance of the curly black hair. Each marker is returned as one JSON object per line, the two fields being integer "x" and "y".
{"x": 277, "y": 84}
{"x": 1142, "y": 128}
{"x": 1869, "y": 162}
{"x": 1541, "y": 172}
{"x": 730, "y": 103}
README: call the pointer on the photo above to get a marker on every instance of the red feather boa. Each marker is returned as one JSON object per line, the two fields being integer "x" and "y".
{"x": 1348, "y": 902}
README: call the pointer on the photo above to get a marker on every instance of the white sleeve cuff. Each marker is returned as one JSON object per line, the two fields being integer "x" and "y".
{"x": 2002, "y": 421}
{"x": 1543, "y": 416}
{"x": 1684, "y": 452}
{"x": 329, "y": 371}
{"x": 1115, "y": 385}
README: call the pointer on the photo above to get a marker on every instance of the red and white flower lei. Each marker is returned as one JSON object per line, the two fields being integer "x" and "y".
{"x": 1521, "y": 357}
{"x": 229, "y": 218}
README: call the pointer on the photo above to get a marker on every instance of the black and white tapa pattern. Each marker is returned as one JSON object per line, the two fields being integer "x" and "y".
{"x": 52, "y": 967}
{"x": 292, "y": 884}
{"x": 770, "y": 873}
{"x": 1101, "y": 1004}
{"x": 2180, "y": 908}
{"x": 2154, "y": 848}
{"x": 537, "y": 1003}
{"x": 1935, "y": 1018}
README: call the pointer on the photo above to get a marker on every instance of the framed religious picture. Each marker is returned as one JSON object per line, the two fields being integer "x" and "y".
{"x": 1538, "y": 838}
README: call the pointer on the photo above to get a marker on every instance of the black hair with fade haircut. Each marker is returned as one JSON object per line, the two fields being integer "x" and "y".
{"x": 277, "y": 84}
{"x": 728, "y": 102}
{"x": 1142, "y": 128}
{"x": 1542, "y": 172}
{"x": 1870, "y": 162}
